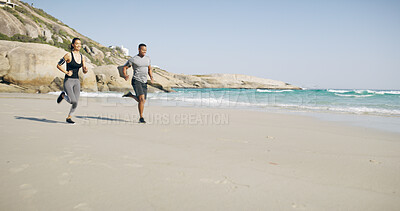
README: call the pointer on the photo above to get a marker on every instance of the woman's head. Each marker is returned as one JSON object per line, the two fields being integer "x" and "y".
{"x": 76, "y": 44}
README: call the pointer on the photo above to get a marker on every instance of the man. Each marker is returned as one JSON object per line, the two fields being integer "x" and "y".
{"x": 141, "y": 65}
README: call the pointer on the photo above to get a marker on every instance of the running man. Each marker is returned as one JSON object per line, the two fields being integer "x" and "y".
{"x": 141, "y": 67}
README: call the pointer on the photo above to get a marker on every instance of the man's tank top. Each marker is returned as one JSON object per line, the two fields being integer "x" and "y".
{"x": 74, "y": 67}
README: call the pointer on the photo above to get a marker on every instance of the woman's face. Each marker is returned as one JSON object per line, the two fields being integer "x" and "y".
{"x": 77, "y": 45}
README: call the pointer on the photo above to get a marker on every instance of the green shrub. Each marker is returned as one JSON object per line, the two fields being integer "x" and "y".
{"x": 15, "y": 13}
{"x": 4, "y": 37}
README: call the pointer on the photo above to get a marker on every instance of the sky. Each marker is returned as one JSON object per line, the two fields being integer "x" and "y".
{"x": 342, "y": 44}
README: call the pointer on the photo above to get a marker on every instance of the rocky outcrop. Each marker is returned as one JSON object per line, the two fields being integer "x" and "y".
{"x": 30, "y": 24}
{"x": 33, "y": 66}
{"x": 108, "y": 79}
{"x": 235, "y": 81}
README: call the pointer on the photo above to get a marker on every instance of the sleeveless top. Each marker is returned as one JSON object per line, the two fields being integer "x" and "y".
{"x": 74, "y": 67}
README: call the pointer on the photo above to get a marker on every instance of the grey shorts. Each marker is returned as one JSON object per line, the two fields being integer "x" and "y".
{"x": 140, "y": 88}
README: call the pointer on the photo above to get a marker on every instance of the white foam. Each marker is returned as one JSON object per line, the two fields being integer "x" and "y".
{"x": 387, "y": 92}
{"x": 94, "y": 94}
{"x": 338, "y": 91}
{"x": 344, "y": 95}
{"x": 354, "y": 110}
{"x": 208, "y": 101}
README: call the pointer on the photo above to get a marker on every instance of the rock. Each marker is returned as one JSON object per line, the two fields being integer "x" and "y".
{"x": 57, "y": 84}
{"x": 59, "y": 39}
{"x": 97, "y": 54}
{"x": 33, "y": 65}
{"x": 44, "y": 89}
{"x": 236, "y": 81}
{"x": 109, "y": 76}
{"x": 27, "y": 22}
{"x": 86, "y": 48}
{"x": 94, "y": 52}
{"x": 10, "y": 88}
{"x": 101, "y": 83}
{"x": 10, "y": 25}
{"x": 4, "y": 64}
{"x": 88, "y": 80}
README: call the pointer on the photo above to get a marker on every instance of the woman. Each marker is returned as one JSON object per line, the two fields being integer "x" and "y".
{"x": 72, "y": 86}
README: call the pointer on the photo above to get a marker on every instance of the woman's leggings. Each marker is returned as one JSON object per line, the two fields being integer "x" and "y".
{"x": 72, "y": 87}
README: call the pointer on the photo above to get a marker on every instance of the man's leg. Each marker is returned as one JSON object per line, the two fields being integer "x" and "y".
{"x": 129, "y": 94}
{"x": 141, "y": 105}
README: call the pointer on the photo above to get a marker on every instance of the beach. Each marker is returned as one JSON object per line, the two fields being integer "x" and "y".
{"x": 188, "y": 158}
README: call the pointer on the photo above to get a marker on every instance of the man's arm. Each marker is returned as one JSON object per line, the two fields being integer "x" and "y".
{"x": 126, "y": 76}
{"x": 150, "y": 74}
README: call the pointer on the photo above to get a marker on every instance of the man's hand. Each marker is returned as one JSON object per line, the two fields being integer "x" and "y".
{"x": 126, "y": 77}
{"x": 69, "y": 73}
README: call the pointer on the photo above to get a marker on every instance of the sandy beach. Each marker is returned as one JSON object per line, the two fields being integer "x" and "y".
{"x": 188, "y": 158}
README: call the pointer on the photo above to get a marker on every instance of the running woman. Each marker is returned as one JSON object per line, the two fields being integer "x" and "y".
{"x": 72, "y": 86}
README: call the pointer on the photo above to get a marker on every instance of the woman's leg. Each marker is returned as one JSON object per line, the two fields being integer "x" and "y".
{"x": 76, "y": 89}
{"x": 68, "y": 89}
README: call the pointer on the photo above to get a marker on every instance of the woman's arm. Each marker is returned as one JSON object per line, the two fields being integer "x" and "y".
{"x": 66, "y": 58}
{"x": 84, "y": 68}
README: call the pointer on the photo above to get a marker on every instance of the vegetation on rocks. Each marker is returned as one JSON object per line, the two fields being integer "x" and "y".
{"x": 60, "y": 38}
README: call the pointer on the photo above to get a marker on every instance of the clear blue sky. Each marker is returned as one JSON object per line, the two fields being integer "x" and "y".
{"x": 310, "y": 43}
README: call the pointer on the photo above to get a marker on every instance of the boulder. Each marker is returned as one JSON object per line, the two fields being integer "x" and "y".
{"x": 10, "y": 88}
{"x": 10, "y": 25}
{"x": 109, "y": 76}
{"x": 88, "y": 80}
{"x": 4, "y": 64}
{"x": 33, "y": 65}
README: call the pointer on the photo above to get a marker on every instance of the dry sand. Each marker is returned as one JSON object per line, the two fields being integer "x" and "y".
{"x": 188, "y": 159}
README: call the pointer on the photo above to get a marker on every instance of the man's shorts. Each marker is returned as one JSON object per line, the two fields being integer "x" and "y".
{"x": 140, "y": 88}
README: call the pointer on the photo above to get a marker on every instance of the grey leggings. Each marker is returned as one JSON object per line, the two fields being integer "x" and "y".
{"x": 72, "y": 87}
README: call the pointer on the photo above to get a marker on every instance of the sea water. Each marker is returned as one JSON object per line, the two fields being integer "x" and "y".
{"x": 370, "y": 108}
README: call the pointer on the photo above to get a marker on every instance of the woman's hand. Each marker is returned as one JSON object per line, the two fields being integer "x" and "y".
{"x": 69, "y": 73}
{"x": 85, "y": 70}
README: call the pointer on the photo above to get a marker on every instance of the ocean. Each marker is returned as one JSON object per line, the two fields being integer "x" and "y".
{"x": 378, "y": 109}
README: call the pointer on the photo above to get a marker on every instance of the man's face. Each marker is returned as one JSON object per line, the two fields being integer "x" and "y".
{"x": 142, "y": 50}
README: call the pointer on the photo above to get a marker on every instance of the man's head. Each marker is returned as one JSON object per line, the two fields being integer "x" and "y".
{"x": 142, "y": 49}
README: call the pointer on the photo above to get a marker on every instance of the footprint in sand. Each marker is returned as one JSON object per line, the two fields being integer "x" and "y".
{"x": 270, "y": 137}
{"x": 27, "y": 191}
{"x": 374, "y": 161}
{"x": 64, "y": 178}
{"x": 299, "y": 206}
{"x": 83, "y": 207}
{"x": 225, "y": 181}
{"x": 19, "y": 168}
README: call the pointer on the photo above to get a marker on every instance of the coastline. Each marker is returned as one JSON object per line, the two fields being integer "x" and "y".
{"x": 189, "y": 158}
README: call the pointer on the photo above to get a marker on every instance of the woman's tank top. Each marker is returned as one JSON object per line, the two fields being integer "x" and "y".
{"x": 74, "y": 67}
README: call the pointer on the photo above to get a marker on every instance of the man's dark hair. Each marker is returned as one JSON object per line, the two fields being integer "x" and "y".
{"x": 142, "y": 44}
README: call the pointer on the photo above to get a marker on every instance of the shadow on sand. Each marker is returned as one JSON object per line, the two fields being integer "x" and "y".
{"x": 38, "y": 119}
{"x": 100, "y": 118}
